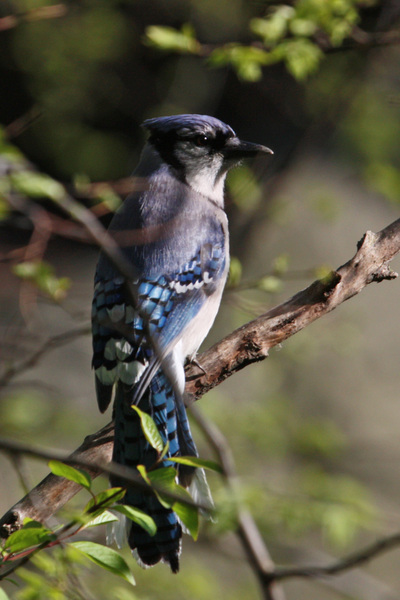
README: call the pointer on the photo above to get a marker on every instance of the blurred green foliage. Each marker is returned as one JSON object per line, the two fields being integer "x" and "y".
{"x": 91, "y": 76}
{"x": 42, "y": 274}
{"x": 288, "y": 33}
{"x": 171, "y": 40}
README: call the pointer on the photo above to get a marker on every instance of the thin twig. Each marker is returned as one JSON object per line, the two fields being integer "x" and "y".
{"x": 47, "y": 346}
{"x": 35, "y": 14}
{"x": 94, "y": 455}
{"x": 244, "y": 346}
{"x": 344, "y": 564}
{"x": 248, "y": 532}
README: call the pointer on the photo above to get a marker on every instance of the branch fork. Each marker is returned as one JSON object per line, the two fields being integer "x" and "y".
{"x": 248, "y": 344}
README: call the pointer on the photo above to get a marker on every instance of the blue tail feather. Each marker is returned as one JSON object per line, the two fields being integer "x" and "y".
{"x": 131, "y": 448}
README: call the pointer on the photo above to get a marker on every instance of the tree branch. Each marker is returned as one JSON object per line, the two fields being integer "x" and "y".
{"x": 50, "y": 344}
{"x": 248, "y": 344}
{"x": 257, "y": 553}
{"x": 349, "y": 562}
{"x": 95, "y": 456}
{"x": 252, "y": 342}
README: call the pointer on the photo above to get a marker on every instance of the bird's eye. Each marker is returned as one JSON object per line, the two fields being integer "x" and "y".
{"x": 201, "y": 140}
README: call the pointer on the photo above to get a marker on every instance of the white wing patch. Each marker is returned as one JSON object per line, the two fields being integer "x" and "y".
{"x": 182, "y": 288}
{"x": 117, "y": 349}
{"x": 116, "y": 313}
{"x": 127, "y": 372}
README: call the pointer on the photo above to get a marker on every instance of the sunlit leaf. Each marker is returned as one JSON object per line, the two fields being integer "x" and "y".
{"x": 105, "y": 557}
{"x": 3, "y": 595}
{"x": 194, "y": 461}
{"x": 275, "y": 26}
{"x": 150, "y": 430}
{"x": 138, "y": 516}
{"x": 166, "y": 480}
{"x": 102, "y": 519}
{"x": 302, "y": 57}
{"x": 303, "y": 27}
{"x": 71, "y": 473}
{"x": 172, "y": 40}
{"x": 270, "y": 284}
{"x": 42, "y": 274}
{"x": 37, "y": 185}
{"x": 31, "y": 534}
{"x": 189, "y": 515}
{"x": 105, "y": 499}
{"x": 164, "y": 452}
{"x": 142, "y": 470}
{"x": 246, "y": 60}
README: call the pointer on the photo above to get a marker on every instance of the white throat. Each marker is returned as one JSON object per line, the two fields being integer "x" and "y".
{"x": 208, "y": 183}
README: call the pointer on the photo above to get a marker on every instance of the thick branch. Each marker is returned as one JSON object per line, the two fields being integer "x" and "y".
{"x": 246, "y": 345}
{"x": 53, "y": 492}
{"x": 252, "y": 342}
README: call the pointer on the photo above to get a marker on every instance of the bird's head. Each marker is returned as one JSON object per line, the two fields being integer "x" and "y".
{"x": 200, "y": 149}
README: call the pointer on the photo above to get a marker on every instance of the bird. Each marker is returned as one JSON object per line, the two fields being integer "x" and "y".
{"x": 174, "y": 234}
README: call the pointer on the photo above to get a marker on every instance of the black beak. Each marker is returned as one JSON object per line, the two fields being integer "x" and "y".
{"x": 236, "y": 149}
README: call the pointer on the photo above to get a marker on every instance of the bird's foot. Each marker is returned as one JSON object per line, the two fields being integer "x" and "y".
{"x": 193, "y": 361}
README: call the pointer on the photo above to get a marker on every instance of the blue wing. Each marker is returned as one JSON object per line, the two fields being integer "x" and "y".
{"x": 169, "y": 302}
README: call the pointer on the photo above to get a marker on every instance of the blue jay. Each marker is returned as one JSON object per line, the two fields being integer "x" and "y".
{"x": 174, "y": 233}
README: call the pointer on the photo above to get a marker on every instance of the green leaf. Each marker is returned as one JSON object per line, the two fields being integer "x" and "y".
{"x": 71, "y": 473}
{"x": 104, "y": 500}
{"x": 189, "y": 515}
{"x": 164, "y": 452}
{"x": 302, "y": 57}
{"x": 3, "y": 595}
{"x": 102, "y": 519}
{"x": 142, "y": 470}
{"x": 150, "y": 430}
{"x": 280, "y": 263}
{"x": 246, "y": 60}
{"x": 105, "y": 557}
{"x": 273, "y": 28}
{"x": 138, "y": 516}
{"x": 169, "y": 39}
{"x": 42, "y": 274}
{"x": 303, "y": 27}
{"x": 194, "y": 461}
{"x": 270, "y": 284}
{"x": 108, "y": 197}
{"x": 31, "y": 534}
{"x": 165, "y": 479}
{"x": 235, "y": 272}
{"x": 37, "y": 185}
